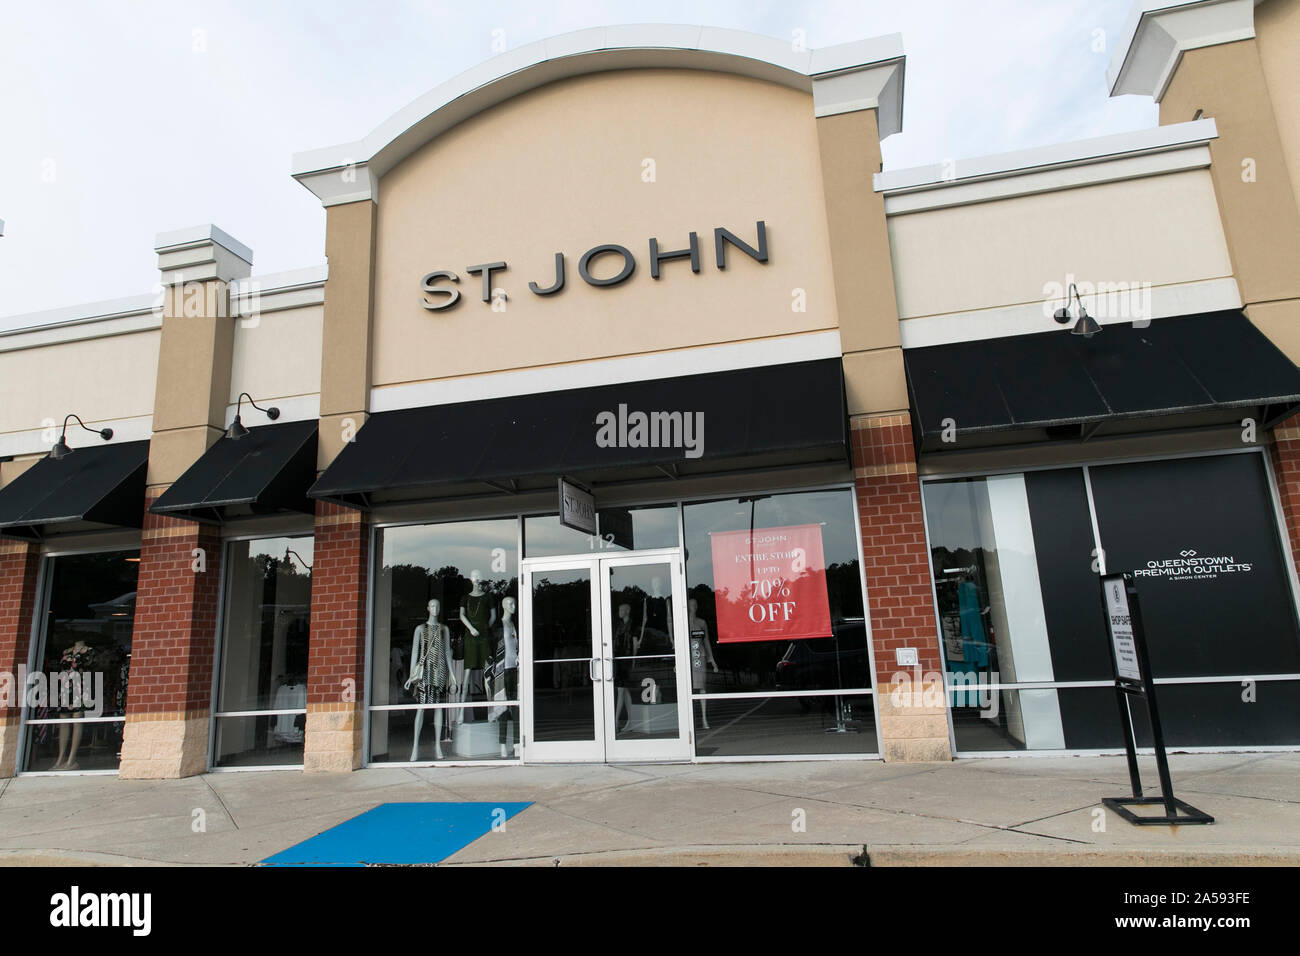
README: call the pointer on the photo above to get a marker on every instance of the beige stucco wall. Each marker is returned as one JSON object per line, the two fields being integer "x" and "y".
{"x": 1277, "y": 33}
{"x": 279, "y": 356}
{"x": 102, "y": 380}
{"x": 559, "y": 169}
{"x": 1159, "y": 229}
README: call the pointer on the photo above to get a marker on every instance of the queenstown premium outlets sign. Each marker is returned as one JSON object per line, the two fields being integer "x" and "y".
{"x": 439, "y": 292}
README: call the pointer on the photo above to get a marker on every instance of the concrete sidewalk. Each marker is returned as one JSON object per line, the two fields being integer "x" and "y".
{"x": 994, "y": 811}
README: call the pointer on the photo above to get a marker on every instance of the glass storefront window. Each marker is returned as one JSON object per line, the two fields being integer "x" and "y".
{"x": 1015, "y": 562}
{"x": 444, "y": 665}
{"x": 77, "y": 698}
{"x": 618, "y": 529}
{"x": 774, "y": 603}
{"x": 263, "y": 661}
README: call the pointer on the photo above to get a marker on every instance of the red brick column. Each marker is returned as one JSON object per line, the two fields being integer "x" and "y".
{"x": 913, "y": 722}
{"x": 340, "y": 579}
{"x": 1285, "y": 452}
{"x": 169, "y": 687}
{"x": 19, "y": 563}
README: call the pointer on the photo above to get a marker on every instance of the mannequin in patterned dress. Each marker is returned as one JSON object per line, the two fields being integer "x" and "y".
{"x": 75, "y": 660}
{"x": 433, "y": 680}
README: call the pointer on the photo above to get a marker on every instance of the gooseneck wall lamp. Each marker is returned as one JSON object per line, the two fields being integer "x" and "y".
{"x": 237, "y": 429}
{"x": 61, "y": 449}
{"x": 1086, "y": 326}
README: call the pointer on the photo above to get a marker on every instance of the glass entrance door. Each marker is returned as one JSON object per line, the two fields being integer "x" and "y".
{"x": 603, "y": 659}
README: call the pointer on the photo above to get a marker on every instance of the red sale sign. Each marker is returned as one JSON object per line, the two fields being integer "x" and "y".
{"x": 771, "y": 584}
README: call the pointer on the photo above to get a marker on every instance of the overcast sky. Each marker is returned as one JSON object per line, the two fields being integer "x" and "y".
{"x": 120, "y": 120}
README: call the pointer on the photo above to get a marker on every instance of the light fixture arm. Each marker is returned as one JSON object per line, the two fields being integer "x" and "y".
{"x": 1086, "y": 326}
{"x": 290, "y": 551}
{"x": 61, "y": 449}
{"x": 271, "y": 411}
{"x": 1074, "y": 289}
{"x": 237, "y": 429}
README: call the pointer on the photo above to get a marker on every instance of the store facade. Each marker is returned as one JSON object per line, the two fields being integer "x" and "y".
{"x": 850, "y": 486}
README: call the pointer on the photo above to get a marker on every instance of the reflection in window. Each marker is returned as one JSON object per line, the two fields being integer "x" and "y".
{"x": 991, "y": 612}
{"x": 795, "y": 623}
{"x": 444, "y": 671}
{"x": 263, "y": 659}
{"x": 85, "y": 656}
{"x": 617, "y": 529}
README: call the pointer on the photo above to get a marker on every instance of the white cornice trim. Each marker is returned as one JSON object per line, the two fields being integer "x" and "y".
{"x": 200, "y": 253}
{"x": 1061, "y": 156}
{"x": 138, "y": 313}
{"x": 275, "y": 292}
{"x": 348, "y": 172}
{"x": 1159, "y": 32}
{"x": 878, "y": 87}
{"x": 1052, "y": 179}
{"x": 1033, "y": 318}
{"x": 141, "y": 313}
{"x": 201, "y": 235}
{"x": 630, "y": 368}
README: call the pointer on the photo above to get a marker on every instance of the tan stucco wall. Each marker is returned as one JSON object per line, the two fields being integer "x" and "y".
{"x": 9, "y": 470}
{"x": 1277, "y": 34}
{"x": 1259, "y": 214}
{"x": 279, "y": 356}
{"x": 102, "y": 380}
{"x": 874, "y": 379}
{"x": 194, "y": 362}
{"x": 1159, "y": 229}
{"x": 559, "y": 169}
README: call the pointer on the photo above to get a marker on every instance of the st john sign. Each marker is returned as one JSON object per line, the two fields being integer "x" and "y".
{"x": 617, "y": 265}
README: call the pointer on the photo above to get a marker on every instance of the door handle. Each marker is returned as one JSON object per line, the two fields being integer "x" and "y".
{"x": 591, "y": 669}
{"x": 608, "y": 669}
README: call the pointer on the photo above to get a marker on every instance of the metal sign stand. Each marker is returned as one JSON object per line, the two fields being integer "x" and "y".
{"x": 1132, "y": 669}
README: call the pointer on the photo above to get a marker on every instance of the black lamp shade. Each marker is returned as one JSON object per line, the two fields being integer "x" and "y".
{"x": 237, "y": 429}
{"x": 1086, "y": 326}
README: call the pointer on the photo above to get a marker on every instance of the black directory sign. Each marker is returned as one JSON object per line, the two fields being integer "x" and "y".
{"x": 1132, "y": 666}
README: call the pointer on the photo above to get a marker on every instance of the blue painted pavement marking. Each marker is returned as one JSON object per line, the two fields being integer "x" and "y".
{"x": 399, "y": 833}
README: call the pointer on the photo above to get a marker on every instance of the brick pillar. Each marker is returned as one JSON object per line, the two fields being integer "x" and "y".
{"x": 19, "y": 563}
{"x": 336, "y": 656}
{"x": 169, "y": 688}
{"x": 913, "y": 722}
{"x": 1285, "y": 452}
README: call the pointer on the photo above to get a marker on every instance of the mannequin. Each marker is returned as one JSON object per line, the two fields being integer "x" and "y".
{"x": 623, "y": 647}
{"x": 477, "y": 614}
{"x": 509, "y": 669}
{"x": 701, "y": 652}
{"x": 76, "y": 660}
{"x": 431, "y": 674}
{"x": 656, "y": 623}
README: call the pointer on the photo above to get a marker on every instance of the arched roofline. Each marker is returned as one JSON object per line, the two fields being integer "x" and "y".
{"x": 864, "y": 74}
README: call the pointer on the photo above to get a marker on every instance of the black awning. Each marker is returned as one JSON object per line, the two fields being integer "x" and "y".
{"x": 1173, "y": 368}
{"x": 267, "y": 471}
{"x": 762, "y": 417}
{"x": 96, "y": 485}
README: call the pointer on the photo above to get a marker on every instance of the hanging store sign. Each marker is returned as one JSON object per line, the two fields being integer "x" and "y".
{"x": 770, "y": 584}
{"x": 438, "y": 290}
{"x": 577, "y": 507}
